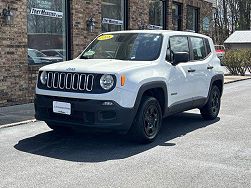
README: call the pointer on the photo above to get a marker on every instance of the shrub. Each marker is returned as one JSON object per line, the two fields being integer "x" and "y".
{"x": 238, "y": 61}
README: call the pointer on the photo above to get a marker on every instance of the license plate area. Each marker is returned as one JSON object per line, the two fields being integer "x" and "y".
{"x": 62, "y": 107}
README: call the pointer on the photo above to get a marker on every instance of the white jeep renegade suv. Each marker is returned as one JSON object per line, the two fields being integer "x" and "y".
{"x": 128, "y": 81}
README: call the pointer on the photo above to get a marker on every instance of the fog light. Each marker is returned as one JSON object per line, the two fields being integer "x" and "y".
{"x": 107, "y": 103}
{"x": 107, "y": 115}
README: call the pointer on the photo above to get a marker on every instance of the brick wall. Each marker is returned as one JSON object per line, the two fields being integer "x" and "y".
{"x": 138, "y": 13}
{"x": 13, "y": 55}
{"x": 81, "y": 11}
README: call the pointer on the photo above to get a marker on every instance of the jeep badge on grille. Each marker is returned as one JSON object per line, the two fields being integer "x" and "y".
{"x": 70, "y": 69}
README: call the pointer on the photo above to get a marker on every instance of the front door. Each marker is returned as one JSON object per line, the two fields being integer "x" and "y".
{"x": 180, "y": 81}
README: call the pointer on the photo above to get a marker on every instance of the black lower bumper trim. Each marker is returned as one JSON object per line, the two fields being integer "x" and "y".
{"x": 85, "y": 113}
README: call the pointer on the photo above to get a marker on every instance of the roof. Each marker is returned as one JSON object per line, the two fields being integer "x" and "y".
{"x": 239, "y": 37}
{"x": 167, "y": 32}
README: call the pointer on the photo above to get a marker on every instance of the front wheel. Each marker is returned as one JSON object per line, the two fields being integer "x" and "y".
{"x": 211, "y": 109}
{"x": 148, "y": 121}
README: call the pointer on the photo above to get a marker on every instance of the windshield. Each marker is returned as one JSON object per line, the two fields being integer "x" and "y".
{"x": 125, "y": 46}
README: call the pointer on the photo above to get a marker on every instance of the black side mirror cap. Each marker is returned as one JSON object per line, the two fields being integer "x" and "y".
{"x": 180, "y": 57}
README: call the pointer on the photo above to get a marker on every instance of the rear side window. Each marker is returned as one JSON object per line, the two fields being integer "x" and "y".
{"x": 199, "y": 48}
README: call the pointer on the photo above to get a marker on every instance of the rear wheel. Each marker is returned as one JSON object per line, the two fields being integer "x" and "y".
{"x": 211, "y": 110}
{"x": 148, "y": 121}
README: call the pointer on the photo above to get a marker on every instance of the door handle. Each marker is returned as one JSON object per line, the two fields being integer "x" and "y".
{"x": 191, "y": 70}
{"x": 210, "y": 67}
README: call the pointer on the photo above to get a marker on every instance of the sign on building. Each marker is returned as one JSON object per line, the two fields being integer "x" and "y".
{"x": 48, "y": 13}
{"x": 112, "y": 21}
{"x": 154, "y": 27}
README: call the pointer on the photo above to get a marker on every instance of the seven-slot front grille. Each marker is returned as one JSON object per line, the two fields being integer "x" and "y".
{"x": 70, "y": 81}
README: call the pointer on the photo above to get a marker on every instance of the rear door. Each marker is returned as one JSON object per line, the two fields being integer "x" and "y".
{"x": 201, "y": 58}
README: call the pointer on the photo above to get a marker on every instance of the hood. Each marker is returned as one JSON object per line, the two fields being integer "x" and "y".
{"x": 95, "y": 65}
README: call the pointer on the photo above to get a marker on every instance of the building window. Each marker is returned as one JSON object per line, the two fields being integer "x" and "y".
{"x": 177, "y": 16}
{"x": 112, "y": 15}
{"x": 155, "y": 14}
{"x": 192, "y": 19}
{"x": 46, "y": 31}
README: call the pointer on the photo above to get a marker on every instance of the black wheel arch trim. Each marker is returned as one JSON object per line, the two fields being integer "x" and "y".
{"x": 148, "y": 86}
{"x": 217, "y": 77}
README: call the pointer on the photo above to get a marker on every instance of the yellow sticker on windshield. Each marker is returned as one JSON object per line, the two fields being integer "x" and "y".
{"x": 105, "y": 37}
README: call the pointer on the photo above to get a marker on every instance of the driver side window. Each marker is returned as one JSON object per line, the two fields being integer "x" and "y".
{"x": 177, "y": 44}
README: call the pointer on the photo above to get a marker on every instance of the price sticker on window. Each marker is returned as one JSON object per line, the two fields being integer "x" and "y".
{"x": 105, "y": 37}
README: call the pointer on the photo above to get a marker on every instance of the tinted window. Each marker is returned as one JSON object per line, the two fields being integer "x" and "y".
{"x": 179, "y": 44}
{"x": 177, "y": 16}
{"x": 46, "y": 27}
{"x": 192, "y": 19}
{"x": 198, "y": 47}
{"x": 112, "y": 12}
{"x": 155, "y": 13}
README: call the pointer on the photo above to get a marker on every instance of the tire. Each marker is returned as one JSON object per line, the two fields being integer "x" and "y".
{"x": 58, "y": 128}
{"x": 211, "y": 109}
{"x": 147, "y": 122}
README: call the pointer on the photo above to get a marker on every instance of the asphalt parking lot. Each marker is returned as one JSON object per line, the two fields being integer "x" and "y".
{"x": 189, "y": 152}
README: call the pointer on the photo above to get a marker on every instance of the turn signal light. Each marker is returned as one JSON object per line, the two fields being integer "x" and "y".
{"x": 122, "y": 80}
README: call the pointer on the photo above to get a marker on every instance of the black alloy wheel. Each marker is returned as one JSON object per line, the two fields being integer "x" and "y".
{"x": 148, "y": 121}
{"x": 211, "y": 109}
{"x": 215, "y": 102}
{"x": 151, "y": 121}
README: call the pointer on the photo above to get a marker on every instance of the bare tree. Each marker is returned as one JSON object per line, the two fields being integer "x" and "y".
{"x": 230, "y": 15}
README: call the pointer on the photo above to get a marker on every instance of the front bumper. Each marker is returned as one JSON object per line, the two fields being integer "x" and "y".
{"x": 85, "y": 113}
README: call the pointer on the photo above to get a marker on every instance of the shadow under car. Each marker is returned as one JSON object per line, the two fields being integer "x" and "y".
{"x": 98, "y": 147}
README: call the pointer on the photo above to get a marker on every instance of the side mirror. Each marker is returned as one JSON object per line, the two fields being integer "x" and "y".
{"x": 180, "y": 57}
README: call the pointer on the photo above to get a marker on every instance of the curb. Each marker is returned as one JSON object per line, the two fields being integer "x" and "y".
{"x": 232, "y": 81}
{"x": 18, "y": 123}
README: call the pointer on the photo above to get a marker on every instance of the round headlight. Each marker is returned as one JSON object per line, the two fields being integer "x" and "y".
{"x": 106, "y": 81}
{"x": 44, "y": 77}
